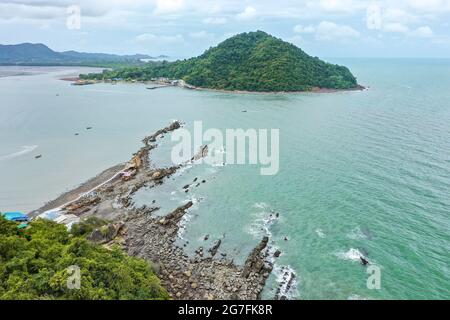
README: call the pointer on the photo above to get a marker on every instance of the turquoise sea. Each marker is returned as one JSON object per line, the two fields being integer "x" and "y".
{"x": 361, "y": 173}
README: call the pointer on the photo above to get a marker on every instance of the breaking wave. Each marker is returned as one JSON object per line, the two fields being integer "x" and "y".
{"x": 287, "y": 282}
{"x": 285, "y": 276}
{"x": 358, "y": 233}
{"x": 320, "y": 233}
{"x": 351, "y": 255}
{"x": 187, "y": 217}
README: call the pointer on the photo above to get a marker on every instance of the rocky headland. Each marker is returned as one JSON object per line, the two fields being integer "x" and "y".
{"x": 140, "y": 232}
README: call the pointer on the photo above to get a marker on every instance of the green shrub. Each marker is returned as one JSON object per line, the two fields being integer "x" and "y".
{"x": 86, "y": 227}
{"x": 34, "y": 265}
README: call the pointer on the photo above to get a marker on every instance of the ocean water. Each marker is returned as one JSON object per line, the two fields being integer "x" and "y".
{"x": 361, "y": 173}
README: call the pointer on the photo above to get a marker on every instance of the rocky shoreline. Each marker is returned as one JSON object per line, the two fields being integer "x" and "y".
{"x": 206, "y": 275}
{"x": 184, "y": 85}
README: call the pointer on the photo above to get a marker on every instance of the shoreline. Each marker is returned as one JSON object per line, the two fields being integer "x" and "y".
{"x": 208, "y": 274}
{"x": 79, "y": 81}
{"x": 315, "y": 90}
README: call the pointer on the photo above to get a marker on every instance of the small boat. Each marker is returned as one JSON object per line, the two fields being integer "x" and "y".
{"x": 38, "y": 156}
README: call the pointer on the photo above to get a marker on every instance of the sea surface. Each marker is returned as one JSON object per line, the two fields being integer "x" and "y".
{"x": 361, "y": 173}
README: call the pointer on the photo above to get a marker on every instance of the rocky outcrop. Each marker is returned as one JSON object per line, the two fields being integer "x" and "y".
{"x": 201, "y": 153}
{"x": 82, "y": 205}
{"x": 152, "y": 138}
{"x": 215, "y": 247}
{"x": 256, "y": 260}
{"x": 155, "y": 238}
{"x": 198, "y": 277}
{"x": 106, "y": 233}
{"x": 286, "y": 284}
{"x": 160, "y": 174}
{"x": 174, "y": 217}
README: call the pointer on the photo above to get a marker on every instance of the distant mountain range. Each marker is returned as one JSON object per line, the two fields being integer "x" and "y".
{"x": 40, "y": 54}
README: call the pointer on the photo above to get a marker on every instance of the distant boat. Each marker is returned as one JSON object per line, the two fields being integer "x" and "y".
{"x": 38, "y": 156}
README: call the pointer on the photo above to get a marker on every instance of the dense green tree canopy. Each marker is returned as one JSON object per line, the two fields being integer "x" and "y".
{"x": 34, "y": 265}
{"x": 254, "y": 61}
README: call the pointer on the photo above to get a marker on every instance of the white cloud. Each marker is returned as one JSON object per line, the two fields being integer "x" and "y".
{"x": 342, "y": 5}
{"x": 216, "y": 20}
{"x": 301, "y": 29}
{"x": 296, "y": 40}
{"x": 152, "y": 38}
{"x": 201, "y": 35}
{"x": 399, "y": 15}
{"x": 247, "y": 14}
{"x": 429, "y": 5}
{"x": 327, "y": 30}
{"x": 423, "y": 32}
{"x": 168, "y": 6}
{"x": 163, "y": 23}
{"x": 395, "y": 27}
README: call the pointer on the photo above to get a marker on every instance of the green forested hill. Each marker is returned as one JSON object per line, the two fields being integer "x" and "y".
{"x": 34, "y": 265}
{"x": 254, "y": 61}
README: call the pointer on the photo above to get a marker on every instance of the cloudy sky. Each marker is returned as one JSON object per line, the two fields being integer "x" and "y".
{"x": 183, "y": 28}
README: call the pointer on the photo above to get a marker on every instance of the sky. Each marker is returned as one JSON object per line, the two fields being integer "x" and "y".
{"x": 185, "y": 28}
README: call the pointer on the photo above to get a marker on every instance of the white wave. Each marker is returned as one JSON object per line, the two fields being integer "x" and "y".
{"x": 356, "y": 234}
{"x": 320, "y": 233}
{"x": 187, "y": 217}
{"x": 261, "y": 205}
{"x": 352, "y": 255}
{"x": 264, "y": 219}
{"x": 195, "y": 201}
{"x": 356, "y": 297}
{"x": 182, "y": 170}
{"x": 220, "y": 150}
{"x": 183, "y": 224}
{"x": 220, "y": 164}
{"x": 287, "y": 280}
{"x": 25, "y": 150}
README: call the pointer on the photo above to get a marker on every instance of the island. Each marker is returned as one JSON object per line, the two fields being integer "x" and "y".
{"x": 252, "y": 62}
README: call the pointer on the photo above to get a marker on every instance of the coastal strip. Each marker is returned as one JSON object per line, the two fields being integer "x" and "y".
{"x": 206, "y": 275}
{"x": 164, "y": 83}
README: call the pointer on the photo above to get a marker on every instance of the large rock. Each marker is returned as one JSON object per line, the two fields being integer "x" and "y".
{"x": 106, "y": 234}
{"x": 255, "y": 261}
{"x": 174, "y": 217}
{"x": 215, "y": 247}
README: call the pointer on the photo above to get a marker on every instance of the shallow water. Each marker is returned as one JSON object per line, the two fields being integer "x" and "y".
{"x": 360, "y": 172}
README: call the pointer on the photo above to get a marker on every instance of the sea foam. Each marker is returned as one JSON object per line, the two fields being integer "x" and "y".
{"x": 352, "y": 255}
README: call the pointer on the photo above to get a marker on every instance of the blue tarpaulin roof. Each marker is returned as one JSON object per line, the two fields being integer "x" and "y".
{"x": 15, "y": 216}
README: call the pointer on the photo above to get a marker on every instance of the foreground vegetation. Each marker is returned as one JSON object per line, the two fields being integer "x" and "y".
{"x": 254, "y": 61}
{"x": 34, "y": 264}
